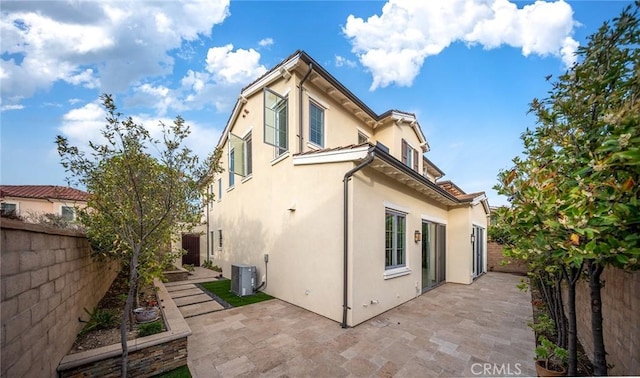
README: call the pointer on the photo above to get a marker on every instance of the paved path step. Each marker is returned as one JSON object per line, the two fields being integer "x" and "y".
{"x": 200, "y": 308}
{"x": 192, "y": 299}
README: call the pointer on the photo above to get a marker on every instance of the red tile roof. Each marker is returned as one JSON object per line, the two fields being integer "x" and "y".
{"x": 44, "y": 192}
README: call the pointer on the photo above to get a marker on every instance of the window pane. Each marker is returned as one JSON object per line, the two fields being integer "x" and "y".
{"x": 316, "y": 124}
{"x": 232, "y": 176}
{"x": 68, "y": 213}
{"x": 362, "y": 138}
{"x": 8, "y": 208}
{"x": 388, "y": 255}
{"x": 248, "y": 155}
{"x": 275, "y": 120}
{"x": 401, "y": 240}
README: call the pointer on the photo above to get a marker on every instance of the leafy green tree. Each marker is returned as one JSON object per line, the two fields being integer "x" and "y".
{"x": 143, "y": 191}
{"x": 576, "y": 186}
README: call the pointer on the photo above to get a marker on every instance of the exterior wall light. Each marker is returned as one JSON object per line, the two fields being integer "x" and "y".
{"x": 417, "y": 236}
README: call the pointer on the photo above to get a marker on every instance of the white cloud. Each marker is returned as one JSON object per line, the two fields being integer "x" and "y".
{"x": 107, "y": 44}
{"x": 84, "y": 124}
{"x": 266, "y": 42}
{"x": 393, "y": 45}
{"x": 232, "y": 67}
{"x": 5, "y": 108}
{"x": 342, "y": 61}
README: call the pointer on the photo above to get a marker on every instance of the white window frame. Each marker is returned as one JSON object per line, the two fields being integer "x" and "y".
{"x": 323, "y": 135}
{"x": 363, "y": 134}
{"x": 220, "y": 239}
{"x": 231, "y": 165}
{"x": 278, "y": 148}
{"x": 394, "y": 247}
{"x": 248, "y": 155}
{"x": 219, "y": 189}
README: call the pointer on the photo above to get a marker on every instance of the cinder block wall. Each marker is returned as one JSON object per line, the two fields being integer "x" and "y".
{"x": 621, "y": 320}
{"x": 48, "y": 277}
{"x": 494, "y": 257}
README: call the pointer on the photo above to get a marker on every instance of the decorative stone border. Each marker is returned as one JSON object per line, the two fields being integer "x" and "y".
{"x": 148, "y": 355}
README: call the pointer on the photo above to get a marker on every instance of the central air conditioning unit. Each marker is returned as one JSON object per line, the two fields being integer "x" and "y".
{"x": 243, "y": 279}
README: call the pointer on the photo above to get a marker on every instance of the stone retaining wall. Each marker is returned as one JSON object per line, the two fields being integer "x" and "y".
{"x": 48, "y": 278}
{"x": 148, "y": 356}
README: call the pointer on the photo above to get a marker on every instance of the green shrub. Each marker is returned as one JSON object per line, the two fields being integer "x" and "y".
{"x": 189, "y": 267}
{"x": 147, "y": 329}
{"x": 99, "y": 318}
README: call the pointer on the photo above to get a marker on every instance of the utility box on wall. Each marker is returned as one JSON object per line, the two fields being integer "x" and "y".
{"x": 243, "y": 279}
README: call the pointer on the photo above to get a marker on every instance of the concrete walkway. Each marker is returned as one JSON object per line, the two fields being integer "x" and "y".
{"x": 189, "y": 298}
{"x": 453, "y": 330}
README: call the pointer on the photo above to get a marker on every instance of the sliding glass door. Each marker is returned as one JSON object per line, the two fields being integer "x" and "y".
{"x": 433, "y": 254}
{"x": 477, "y": 241}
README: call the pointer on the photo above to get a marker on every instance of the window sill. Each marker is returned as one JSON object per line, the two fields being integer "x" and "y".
{"x": 314, "y": 146}
{"x": 247, "y": 178}
{"x": 280, "y": 158}
{"x": 230, "y": 188}
{"x": 396, "y": 272}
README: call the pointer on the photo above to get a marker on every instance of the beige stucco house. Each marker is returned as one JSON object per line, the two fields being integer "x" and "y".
{"x": 342, "y": 200}
{"x": 28, "y": 201}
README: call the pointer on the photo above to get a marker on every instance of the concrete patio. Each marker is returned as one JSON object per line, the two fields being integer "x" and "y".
{"x": 453, "y": 330}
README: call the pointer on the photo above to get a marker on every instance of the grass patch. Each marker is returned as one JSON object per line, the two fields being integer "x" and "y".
{"x": 181, "y": 372}
{"x": 222, "y": 289}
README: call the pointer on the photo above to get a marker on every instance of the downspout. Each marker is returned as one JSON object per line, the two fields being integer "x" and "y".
{"x": 345, "y": 181}
{"x": 300, "y": 128}
{"x": 208, "y": 231}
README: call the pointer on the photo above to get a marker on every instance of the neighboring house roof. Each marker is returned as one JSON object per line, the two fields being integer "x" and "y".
{"x": 43, "y": 192}
{"x": 289, "y": 64}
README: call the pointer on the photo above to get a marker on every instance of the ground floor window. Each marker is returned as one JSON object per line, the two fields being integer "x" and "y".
{"x": 395, "y": 239}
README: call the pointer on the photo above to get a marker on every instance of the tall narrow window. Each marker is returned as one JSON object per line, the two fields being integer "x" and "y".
{"x": 220, "y": 238}
{"x": 248, "y": 155}
{"x": 409, "y": 156}
{"x": 316, "y": 124}
{"x": 232, "y": 163}
{"x": 219, "y": 189}
{"x": 212, "y": 242}
{"x": 275, "y": 121}
{"x": 395, "y": 239}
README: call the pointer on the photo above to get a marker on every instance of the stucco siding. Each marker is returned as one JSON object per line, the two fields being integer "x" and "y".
{"x": 371, "y": 293}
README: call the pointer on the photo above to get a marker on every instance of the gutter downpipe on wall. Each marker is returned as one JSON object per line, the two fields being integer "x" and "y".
{"x": 300, "y": 128}
{"x": 345, "y": 181}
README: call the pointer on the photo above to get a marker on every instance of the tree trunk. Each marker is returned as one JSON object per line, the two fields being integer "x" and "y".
{"x": 572, "y": 275}
{"x": 595, "y": 286}
{"x": 133, "y": 284}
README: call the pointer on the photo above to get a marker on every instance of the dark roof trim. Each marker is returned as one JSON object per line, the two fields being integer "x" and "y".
{"x": 387, "y": 158}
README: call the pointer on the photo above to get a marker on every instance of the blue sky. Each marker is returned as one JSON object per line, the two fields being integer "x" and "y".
{"x": 467, "y": 68}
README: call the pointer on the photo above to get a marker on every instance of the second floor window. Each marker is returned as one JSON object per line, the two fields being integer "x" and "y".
{"x": 9, "y": 208}
{"x": 316, "y": 124}
{"x": 275, "y": 121}
{"x": 409, "y": 156}
{"x": 248, "y": 155}
{"x": 232, "y": 166}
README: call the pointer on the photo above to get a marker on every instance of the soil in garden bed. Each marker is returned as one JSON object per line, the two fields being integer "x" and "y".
{"x": 113, "y": 300}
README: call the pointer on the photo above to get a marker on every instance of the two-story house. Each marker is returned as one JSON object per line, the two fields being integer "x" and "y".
{"x": 339, "y": 199}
